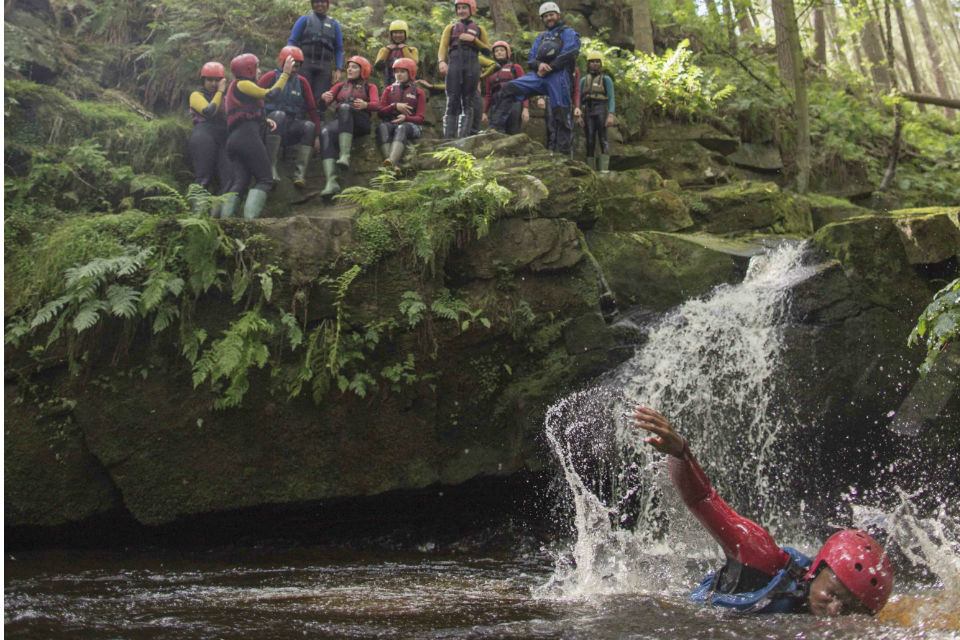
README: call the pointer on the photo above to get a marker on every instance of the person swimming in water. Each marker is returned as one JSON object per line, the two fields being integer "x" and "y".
{"x": 850, "y": 574}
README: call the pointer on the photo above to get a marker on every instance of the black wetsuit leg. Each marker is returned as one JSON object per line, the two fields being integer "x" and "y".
{"x": 206, "y": 146}
{"x": 248, "y": 156}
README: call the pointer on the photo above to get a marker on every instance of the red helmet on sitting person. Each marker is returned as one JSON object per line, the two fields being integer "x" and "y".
{"x": 244, "y": 66}
{"x": 501, "y": 43}
{"x": 364, "y": 66}
{"x": 860, "y": 563}
{"x": 212, "y": 70}
{"x": 289, "y": 50}
{"x": 408, "y": 64}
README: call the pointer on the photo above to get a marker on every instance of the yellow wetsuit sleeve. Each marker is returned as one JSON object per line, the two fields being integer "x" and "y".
{"x": 411, "y": 52}
{"x": 487, "y": 66}
{"x": 381, "y": 56}
{"x": 482, "y": 43}
{"x": 198, "y": 103}
{"x": 250, "y": 88}
{"x": 444, "y": 44}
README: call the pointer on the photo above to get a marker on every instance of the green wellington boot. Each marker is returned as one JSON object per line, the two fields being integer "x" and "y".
{"x": 229, "y": 206}
{"x": 256, "y": 199}
{"x": 301, "y": 162}
{"x": 592, "y": 162}
{"x": 604, "y": 163}
{"x": 396, "y": 153}
{"x": 273, "y": 153}
{"x": 345, "y": 140}
{"x": 385, "y": 150}
{"x": 330, "y": 170}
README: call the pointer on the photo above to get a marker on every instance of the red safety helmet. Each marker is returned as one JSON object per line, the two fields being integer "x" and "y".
{"x": 212, "y": 70}
{"x": 244, "y": 66}
{"x": 470, "y": 3}
{"x": 860, "y": 563}
{"x": 408, "y": 64}
{"x": 364, "y": 66}
{"x": 501, "y": 43}
{"x": 289, "y": 50}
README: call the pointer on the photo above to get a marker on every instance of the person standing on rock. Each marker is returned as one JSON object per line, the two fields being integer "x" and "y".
{"x": 597, "y": 99}
{"x": 355, "y": 100}
{"x": 398, "y": 48}
{"x": 504, "y": 72}
{"x": 402, "y": 109}
{"x": 460, "y": 45}
{"x": 319, "y": 37}
{"x": 208, "y": 142}
{"x": 544, "y": 103}
{"x": 287, "y": 107}
{"x": 850, "y": 574}
{"x": 244, "y": 106}
{"x": 551, "y": 62}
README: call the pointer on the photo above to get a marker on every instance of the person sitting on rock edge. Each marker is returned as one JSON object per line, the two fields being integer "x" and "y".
{"x": 398, "y": 48}
{"x": 244, "y": 107}
{"x": 402, "y": 109}
{"x": 287, "y": 108}
{"x": 504, "y": 72}
{"x": 552, "y": 58}
{"x": 208, "y": 141}
{"x": 850, "y": 574}
{"x": 597, "y": 100}
{"x": 356, "y": 99}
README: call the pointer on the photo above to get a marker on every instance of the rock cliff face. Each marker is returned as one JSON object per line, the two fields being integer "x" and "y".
{"x": 136, "y": 437}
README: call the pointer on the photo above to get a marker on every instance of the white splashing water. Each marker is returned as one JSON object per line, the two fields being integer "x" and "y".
{"x": 708, "y": 365}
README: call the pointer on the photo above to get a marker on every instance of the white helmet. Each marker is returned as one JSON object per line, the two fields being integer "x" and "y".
{"x": 547, "y": 7}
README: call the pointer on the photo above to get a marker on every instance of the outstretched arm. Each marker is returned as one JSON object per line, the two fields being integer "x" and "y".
{"x": 742, "y": 539}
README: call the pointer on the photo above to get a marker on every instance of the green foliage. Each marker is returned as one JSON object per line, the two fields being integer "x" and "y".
{"x": 426, "y": 214}
{"x": 231, "y": 357}
{"x": 938, "y": 325}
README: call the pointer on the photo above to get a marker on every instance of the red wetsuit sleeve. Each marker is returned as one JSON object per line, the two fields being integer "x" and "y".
{"x": 266, "y": 80}
{"x": 576, "y": 93}
{"x": 334, "y": 90}
{"x": 387, "y": 102}
{"x": 421, "y": 111}
{"x": 310, "y": 103}
{"x": 742, "y": 539}
{"x": 373, "y": 104}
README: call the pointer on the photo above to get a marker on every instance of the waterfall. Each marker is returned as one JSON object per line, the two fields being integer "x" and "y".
{"x": 709, "y": 366}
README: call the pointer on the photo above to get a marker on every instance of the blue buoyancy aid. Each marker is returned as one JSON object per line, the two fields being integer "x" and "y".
{"x": 785, "y": 593}
{"x": 290, "y": 99}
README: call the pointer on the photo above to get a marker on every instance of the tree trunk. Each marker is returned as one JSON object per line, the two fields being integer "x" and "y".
{"x": 790, "y": 61}
{"x": 642, "y": 28}
{"x": 504, "y": 17}
{"x": 731, "y": 24}
{"x": 934, "y": 52}
{"x": 872, "y": 47}
{"x": 830, "y": 15}
{"x": 894, "y": 156}
{"x": 743, "y": 16}
{"x": 712, "y": 9}
{"x": 379, "y": 9}
{"x": 940, "y": 101}
{"x": 820, "y": 35}
{"x": 908, "y": 52}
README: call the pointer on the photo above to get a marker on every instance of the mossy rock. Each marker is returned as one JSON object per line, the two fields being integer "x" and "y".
{"x": 827, "y": 209}
{"x": 685, "y": 161}
{"x": 750, "y": 206}
{"x": 701, "y": 133}
{"x": 929, "y": 235}
{"x": 514, "y": 244}
{"x": 659, "y": 210}
{"x": 660, "y": 270}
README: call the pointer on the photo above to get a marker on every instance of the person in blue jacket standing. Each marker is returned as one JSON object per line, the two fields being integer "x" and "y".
{"x": 319, "y": 37}
{"x": 552, "y": 58}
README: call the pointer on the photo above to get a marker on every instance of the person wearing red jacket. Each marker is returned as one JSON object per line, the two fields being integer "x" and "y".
{"x": 505, "y": 71}
{"x": 356, "y": 99}
{"x": 294, "y": 111}
{"x": 850, "y": 574}
{"x": 402, "y": 108}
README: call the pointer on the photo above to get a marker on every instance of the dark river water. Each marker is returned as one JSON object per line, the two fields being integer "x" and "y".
{"x": 299, "y": 592}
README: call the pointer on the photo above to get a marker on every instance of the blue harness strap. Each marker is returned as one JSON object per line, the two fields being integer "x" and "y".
{"x": 785, "y": 593}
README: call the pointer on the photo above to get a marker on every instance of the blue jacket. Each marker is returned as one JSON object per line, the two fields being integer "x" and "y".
{"x": 785, "y": 593}
{"x": 296, "y": 36}
{"x": 566, "y": 57}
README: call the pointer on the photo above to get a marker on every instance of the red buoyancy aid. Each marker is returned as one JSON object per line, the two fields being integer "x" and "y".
{"x": 239, "y": 106}
{"x": 508, "y": 72}
{"x": 397, "y": 93}
{"x": 459, "y": 28}
{"x": 350, "y": 91}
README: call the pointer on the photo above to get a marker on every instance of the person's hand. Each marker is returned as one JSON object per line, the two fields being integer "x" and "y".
{"x": 423, "y": 83}
{"x": 399, "y": 119}
{"x": 541, "y": 103}
{"x": 359, "y": 104}
{"x": 222, "y": 85}
{"x": 271, "y": 124}
{"x": 336, "y": 76}
{"x": 664, "y": 438}
{"x": 288, "y": 65}
{"x": 316, "y": 144}
{"x": 525, "y": 115}
{"x": 392, "y": 46}
{"x": 443, "y": 68}
{"x": 610, "y": 120}
{"x": 484, "y": 118}
{"x": 544, "y": 69}
{"x": 577, "y": 113}
{"x": 327, "y": 96}
{"x": 580, "y": 121}
{"x": 404, "y": 108}
{"x": 467, "y": 37}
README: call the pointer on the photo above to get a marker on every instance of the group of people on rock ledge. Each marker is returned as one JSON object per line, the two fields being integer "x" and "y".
{"x": 240, "y": 127}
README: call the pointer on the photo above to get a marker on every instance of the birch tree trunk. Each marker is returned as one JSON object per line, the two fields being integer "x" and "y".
{"x": 934, "y": 52}
{"x": 790, "y": 61}
{"x": 642, "y": 28}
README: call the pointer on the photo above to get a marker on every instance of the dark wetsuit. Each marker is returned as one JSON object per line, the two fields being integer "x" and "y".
{"x": 245, "y": 120}
{"x": 348, "y": 119}
{"x": 463, "y": 74}
{"x": 288, "y": 106}
{"x": 320, "y": 39}
{"x": 503, "y": 74}
{"x": 409, "y": 129}
{"x": 596, "y": 97}
{"x": 208, "y": 142}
